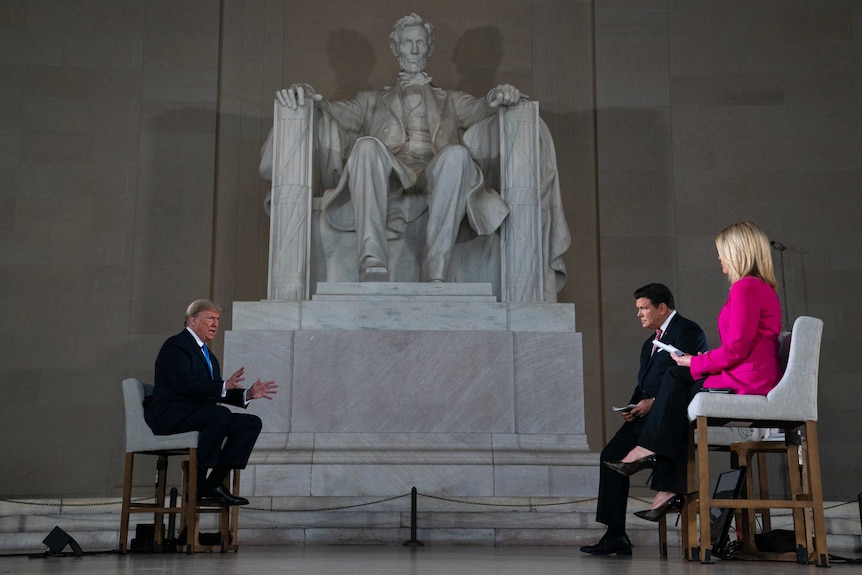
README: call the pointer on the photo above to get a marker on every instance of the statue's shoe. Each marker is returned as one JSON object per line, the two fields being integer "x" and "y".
{"x": 375, "y": 274}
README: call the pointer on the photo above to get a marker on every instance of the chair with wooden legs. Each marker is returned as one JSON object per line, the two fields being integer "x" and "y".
{"x": 140, "y": 440}
{"x": 228, "y": 515}
{"x": 722, "y": 439}
{"x": 790, "y": 406}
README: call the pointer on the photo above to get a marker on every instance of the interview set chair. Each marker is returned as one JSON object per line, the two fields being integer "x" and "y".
{"x": 140, "y": 440}
{"x": 792, "y": 407}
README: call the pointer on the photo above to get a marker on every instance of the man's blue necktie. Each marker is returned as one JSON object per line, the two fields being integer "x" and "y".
{"x": 207, "y": 356}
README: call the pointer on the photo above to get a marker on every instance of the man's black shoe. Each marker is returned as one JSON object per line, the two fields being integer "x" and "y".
{"x": 220, "y": 496}
{"x": 610, "y": 546}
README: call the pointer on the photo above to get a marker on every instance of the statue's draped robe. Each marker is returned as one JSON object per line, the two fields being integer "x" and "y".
{"x": 453, "y": 117}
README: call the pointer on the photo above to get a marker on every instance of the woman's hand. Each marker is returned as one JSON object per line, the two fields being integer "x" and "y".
{"x": 683, "y": 360}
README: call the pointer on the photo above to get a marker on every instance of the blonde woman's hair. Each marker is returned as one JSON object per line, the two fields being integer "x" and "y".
{"x": 744, "y": 249}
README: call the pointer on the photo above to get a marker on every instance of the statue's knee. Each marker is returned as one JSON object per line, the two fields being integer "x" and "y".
{"x": 366, "y": 146}
{"x": 455, "y": 153}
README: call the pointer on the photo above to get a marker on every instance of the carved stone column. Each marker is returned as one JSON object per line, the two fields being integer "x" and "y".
{"x": 292, "y": 185}
{"x": 520, "y": 187}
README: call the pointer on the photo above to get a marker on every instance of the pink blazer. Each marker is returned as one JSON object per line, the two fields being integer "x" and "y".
{"x": 748, "y": 325}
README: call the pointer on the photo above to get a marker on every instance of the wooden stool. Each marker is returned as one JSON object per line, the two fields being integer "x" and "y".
{"x": 228, "y": 515}
{"x": 749, "y": 453}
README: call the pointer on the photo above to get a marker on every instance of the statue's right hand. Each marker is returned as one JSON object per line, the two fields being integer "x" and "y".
{"x": 295, "y": 96}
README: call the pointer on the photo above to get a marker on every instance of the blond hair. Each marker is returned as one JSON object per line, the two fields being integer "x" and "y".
{"x": 200, "y": 305}
{"x": 744, "y": 251}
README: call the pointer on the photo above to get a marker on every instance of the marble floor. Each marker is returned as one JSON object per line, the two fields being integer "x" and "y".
{"x": 397, "y": 560}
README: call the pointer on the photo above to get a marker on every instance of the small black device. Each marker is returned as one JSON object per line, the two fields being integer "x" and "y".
{"x": 728, "y": 486}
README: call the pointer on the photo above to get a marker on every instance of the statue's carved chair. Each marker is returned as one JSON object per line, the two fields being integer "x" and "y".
{"x": 305, "y": 249}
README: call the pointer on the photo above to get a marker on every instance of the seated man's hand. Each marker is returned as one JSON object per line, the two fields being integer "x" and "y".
{"x": 643, "y": 407}
{"x": 259, "y": 389}
{"x": 639, "y": 410}
{"x": 295, "y": 96}
{"x": 504, "y": 95}
{"x": 235, "y": 380}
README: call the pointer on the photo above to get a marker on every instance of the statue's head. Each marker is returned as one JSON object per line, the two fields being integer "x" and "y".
{"x": 412, "y": 42}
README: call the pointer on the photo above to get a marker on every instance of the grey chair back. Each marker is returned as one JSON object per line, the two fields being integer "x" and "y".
{"x": 139, "y": 436}
{"x": 792, "y": 401}
{"x": 795, "y": 396}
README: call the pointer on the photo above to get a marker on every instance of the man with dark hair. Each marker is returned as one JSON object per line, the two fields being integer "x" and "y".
{"x": 657, "y": 313}
{"x": 189, "y": 387}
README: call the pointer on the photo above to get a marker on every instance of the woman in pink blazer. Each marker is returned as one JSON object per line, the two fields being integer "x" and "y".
{"x": 750, "y": 321}
{"x": 746, "y": 362}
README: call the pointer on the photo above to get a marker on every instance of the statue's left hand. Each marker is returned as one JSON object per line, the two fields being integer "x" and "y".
{"x": 296, "y": 95}
{"x": 504, "y": 95}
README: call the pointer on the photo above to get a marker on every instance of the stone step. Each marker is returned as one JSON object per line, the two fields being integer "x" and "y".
{"x": 381, "y": 291}
{"x": 332, "y": 520}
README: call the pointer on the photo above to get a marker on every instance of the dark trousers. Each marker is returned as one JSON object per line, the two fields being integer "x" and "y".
{"x": 665, "y": 429}
{"x": 226, "y": 438}
{"x": 614, "y": 487}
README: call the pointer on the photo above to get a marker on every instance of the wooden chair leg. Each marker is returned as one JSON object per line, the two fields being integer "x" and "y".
{"x": 704, "y": 497}
{"x": 127, "y": 502}
{"x": 234, "y": 515}
{"x": 812, "y": 472}
{"x": 689, "y": 529}
{"x": 190, "y": 501}
{"x": 794, "y": 479}
{"x": 228, "y": 516}
{"x": 763, "y": 482}
{"x": 749, "y": 455}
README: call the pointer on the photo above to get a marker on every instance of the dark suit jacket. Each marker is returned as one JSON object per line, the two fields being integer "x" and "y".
{"x": 183, "y": 384}
{"x": 681, "y": 333}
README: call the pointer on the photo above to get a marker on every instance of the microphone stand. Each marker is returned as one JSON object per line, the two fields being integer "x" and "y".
{"x": 780, "y": 248}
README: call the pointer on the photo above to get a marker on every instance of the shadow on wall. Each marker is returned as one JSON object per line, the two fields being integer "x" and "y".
{"x": 351, "y": 56}
{"x": 476, "y": 60}
{"x": 175, "y": 206}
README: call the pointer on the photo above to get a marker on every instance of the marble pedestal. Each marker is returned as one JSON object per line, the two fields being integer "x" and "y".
{"x": 389, "y": 386}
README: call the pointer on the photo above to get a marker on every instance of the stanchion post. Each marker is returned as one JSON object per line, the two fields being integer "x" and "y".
{"x": 413, "y": 542}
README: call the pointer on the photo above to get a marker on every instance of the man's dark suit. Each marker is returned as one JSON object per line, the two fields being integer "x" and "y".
{"x": 683, "y": 334}
{"x": 186, "y": 398}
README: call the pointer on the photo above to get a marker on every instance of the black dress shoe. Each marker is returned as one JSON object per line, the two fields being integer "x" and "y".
{"x": 674, "y": 503}
{"x": 610, "y": 546}
{"x": 220, "y": 496}
{"x": 632, "y": 467}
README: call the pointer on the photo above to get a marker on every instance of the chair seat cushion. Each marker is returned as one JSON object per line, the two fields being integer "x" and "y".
{"x": 151, "y": 442}
{"x": 745, "y": 411}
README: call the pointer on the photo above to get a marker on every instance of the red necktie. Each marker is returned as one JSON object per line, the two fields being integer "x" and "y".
{"x": 657, "y": 336}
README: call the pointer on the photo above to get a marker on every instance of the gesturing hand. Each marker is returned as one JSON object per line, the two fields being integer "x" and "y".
{"x": 235, "y": 380}
{"x": 261, "y": 389}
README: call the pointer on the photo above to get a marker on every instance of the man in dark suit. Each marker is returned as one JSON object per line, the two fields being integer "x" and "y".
{"x": 656, "y": 311}
{"x": 189, "y": 387}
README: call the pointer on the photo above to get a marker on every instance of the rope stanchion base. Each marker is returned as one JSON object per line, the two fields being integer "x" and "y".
{"x": 413, "y": 542}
